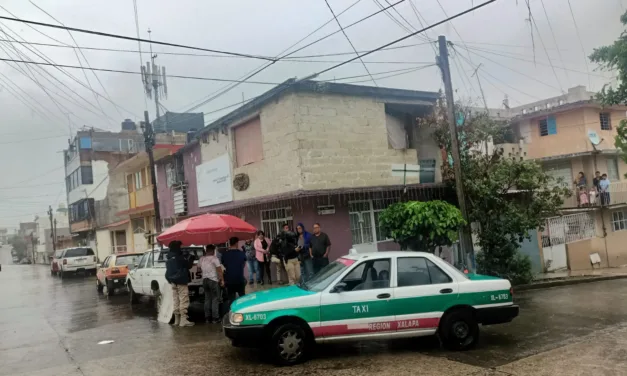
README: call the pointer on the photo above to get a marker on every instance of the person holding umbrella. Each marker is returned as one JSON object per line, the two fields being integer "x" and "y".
{"x": 177, "y": 274}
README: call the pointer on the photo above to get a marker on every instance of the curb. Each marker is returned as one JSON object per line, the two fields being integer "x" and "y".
{"x": 568, "y": 282}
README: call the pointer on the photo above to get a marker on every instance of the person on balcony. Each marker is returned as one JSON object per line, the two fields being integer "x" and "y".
{"x": 604, "y": 186}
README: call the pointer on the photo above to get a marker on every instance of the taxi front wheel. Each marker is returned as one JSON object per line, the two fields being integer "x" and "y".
{"x": 459, "y": 330}
{"x": 289, "y": 344}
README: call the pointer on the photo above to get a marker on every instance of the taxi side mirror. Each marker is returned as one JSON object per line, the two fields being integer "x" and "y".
{"x": 135, "y": 266}
{"x": 341, "y": 286}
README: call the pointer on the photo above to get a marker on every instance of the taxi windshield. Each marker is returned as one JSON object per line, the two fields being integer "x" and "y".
{"x": 327, "y": 275}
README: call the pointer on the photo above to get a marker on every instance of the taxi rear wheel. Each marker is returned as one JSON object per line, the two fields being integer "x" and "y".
{"x": 289, "y": 344}
{"x": 459, "y": 330}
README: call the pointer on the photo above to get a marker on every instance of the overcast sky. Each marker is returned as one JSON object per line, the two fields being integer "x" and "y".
{"x": 498, "y": 37}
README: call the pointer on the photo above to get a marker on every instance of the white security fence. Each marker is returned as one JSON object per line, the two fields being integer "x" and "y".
{"x": 559, "y": 231}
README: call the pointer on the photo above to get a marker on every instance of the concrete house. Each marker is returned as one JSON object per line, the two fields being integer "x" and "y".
{"x": 557, "y": 133}
{"x": 308, "y": 152}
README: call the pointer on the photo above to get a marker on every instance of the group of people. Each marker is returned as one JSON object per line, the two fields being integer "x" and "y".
{"x": 300, "y": 254}
{"x": 600, "y": 190}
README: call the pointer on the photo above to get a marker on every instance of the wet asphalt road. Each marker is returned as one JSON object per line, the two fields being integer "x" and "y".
{"x": 52, "y": 327}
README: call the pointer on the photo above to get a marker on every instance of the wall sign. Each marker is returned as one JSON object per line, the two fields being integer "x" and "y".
{"x": 326, "y": 209}
{"x": 213, "y": 180}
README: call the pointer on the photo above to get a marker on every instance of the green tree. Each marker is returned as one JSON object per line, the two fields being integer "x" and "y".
{"x": 421, "y": 226}
{"x": 610, "y": 58}
{"x": 506, "y": 198}
{"x": 614, "y": 58}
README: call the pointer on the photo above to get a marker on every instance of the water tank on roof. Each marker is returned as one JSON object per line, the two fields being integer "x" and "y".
{"x": 129, "y": 125}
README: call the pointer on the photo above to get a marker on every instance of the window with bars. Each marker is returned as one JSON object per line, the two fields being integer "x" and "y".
{"x": 619, "y": 220}
{"x": 606, "y": 122}
{"x": 273, "y": 219}
{"x": 138, "y": 225}
{"x": 547, "y": 126}
{"x": 364, "y": 220}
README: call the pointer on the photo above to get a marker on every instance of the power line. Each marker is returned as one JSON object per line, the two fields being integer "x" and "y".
{"x": 225, "y": 90}
{"x": 36, "y": 185}
{"x": 83, "y": 70}
{"x": 585, "y": 57}
{"x": 469, "y": 10}
{"x": 104, "y": 89}
{"x": 124, "y": 37}
{"x": 532, "y": 20}
{"x": 394, "y": 75}
{"x": 43, "y": 56}
{"x": 32, "y": 139}
{"x": 518, "y": 72}
{"x": 139, "y": 45}
{"x": 349, "y": 42}
{"x": 33, "y": 178}
{"x": 546, "y": 14}
{"x": 131, "y": 72}
{"x": 519, "y": 57}
{"x": 39, "y": 53}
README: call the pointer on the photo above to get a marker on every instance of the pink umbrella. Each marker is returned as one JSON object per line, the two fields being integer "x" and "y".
{"x": 208, "y": 229}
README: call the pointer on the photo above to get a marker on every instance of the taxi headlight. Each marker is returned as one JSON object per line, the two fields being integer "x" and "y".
{"x": 237, "y": 318}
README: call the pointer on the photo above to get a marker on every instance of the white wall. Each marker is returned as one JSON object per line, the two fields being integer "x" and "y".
{"x": 97, "y": 191}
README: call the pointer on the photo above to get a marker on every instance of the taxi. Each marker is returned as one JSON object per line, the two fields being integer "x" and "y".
{"x": 112, "y": 272}
{"x": 371, "y": 296}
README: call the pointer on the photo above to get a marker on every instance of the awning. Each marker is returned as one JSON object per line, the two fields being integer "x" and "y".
{"x": 116, "y": 224}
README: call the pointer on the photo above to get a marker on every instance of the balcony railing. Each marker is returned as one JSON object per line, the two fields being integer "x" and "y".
{"x": 590, "y": 198}
{"x": 140, "y": 197}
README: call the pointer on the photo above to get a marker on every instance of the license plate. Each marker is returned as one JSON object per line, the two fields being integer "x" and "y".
{"x": 115, "y": 280}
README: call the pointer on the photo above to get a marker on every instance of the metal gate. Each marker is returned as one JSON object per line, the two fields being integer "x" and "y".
{"x": 559, "y": 231}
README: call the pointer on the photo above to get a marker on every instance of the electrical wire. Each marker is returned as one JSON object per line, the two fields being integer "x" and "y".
{"x": 32, "y": 139}
{"x": 469, "y": 10}
{"x": 17, "y": 185}
{"x": 585, "y": 57}
{"x": 138, "y": 73}
{"x": 532, "y": 20}
{"x": 394, "y": 75}
{"x": 44, "y": 57}
{"x": 349, "y": 41}
{"x": 104, "y": 89}
{"x": 546, "y": 14}
{"x": 220, "y": 92}
{"x": 124, "y": 37}
{"x": 139, "y": 45}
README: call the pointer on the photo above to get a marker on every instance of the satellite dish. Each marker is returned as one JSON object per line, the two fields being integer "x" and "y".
{"x": 593, "y": 137}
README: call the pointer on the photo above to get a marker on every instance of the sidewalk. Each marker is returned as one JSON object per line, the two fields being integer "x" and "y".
{"x": 566, "y": 277}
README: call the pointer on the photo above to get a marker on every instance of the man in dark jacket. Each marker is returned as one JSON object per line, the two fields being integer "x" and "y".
{"x": 290, "y": 252}
{"x": 177, "y": 274}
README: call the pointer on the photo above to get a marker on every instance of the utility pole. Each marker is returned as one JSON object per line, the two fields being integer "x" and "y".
{"x": 52, "y": 234}
{"x": 465, "y": 238}
{"x": 149, "y": 140}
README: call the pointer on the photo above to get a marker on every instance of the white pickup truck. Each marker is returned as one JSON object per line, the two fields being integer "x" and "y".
{"x": 147, "y": 277}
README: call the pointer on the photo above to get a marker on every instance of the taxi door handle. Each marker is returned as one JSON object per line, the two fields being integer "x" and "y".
{"x": 383, "y": 296}
{"x": 446, "y": 291}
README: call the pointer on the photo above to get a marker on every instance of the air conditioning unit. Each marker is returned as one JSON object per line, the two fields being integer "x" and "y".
{"x": 180, "y": 200}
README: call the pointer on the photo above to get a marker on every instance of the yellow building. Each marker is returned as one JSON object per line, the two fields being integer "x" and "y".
{"x": 567, "y": 135}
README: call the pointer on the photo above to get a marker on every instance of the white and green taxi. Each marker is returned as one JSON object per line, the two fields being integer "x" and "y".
{"x": 366, "y": 296}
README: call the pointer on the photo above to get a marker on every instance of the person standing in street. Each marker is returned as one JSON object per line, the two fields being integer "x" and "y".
{"x": 277, "y": 259}
{"x": 261, "y": 250}
{"x": 320, "y": 248}
{"x": 234, "y": 260}
{"x": 306, "y": 264}
{"x": 251, "y": 262}
{"x": 290, "y": 254}
{"x": 177, "y": 275}
{"x": 212, "y": 281}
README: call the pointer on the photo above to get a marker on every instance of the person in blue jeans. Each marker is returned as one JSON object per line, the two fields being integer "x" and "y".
{"x": 251, "y": 261}
{"x": 304, "y": 245}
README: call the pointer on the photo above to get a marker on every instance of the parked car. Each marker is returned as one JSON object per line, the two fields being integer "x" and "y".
{"x": 55, "y": 263}
{"x": 147, "y": 277}
{"x": 77, "y": 260}
{"x": 113, "y": 270}
{"x": 369, "y": 296}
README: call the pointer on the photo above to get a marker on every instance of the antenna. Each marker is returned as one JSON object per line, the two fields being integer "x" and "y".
{"x": 154, "y": 79}
{"x": 594, "y": 137}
